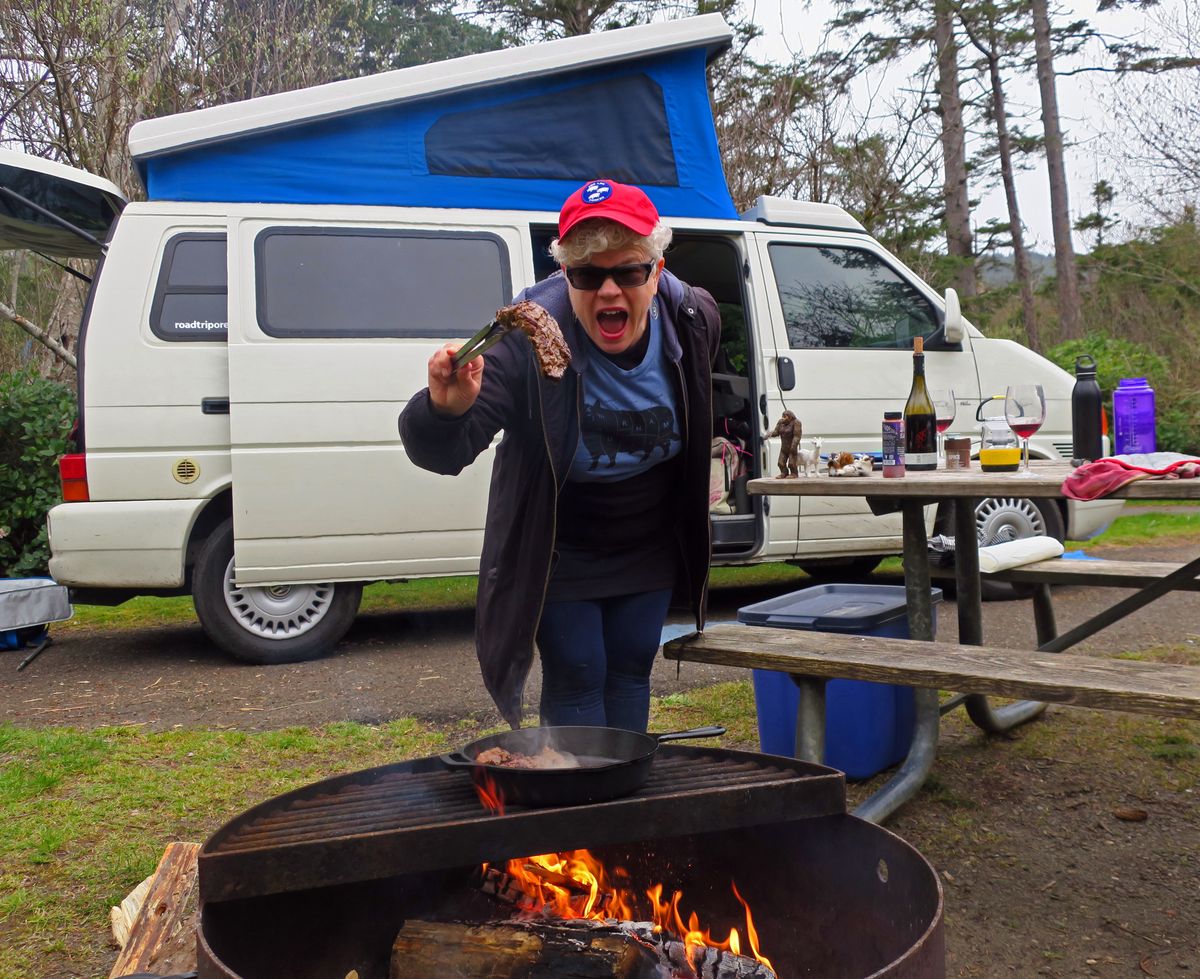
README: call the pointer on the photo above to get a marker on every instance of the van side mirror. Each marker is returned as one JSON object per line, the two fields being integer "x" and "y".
{"x": 952, "y": 328}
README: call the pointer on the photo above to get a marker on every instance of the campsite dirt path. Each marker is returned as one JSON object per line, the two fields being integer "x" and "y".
{"x": 1042, "y": 875}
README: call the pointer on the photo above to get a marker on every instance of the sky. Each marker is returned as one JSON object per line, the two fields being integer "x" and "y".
{"x": 794, "y": 26}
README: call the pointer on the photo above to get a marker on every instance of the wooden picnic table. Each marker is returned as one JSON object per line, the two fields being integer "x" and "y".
{"x": 911, "y": 494}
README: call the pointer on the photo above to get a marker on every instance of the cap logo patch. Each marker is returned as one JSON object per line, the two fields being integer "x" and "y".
{"x": 596, "y": 191}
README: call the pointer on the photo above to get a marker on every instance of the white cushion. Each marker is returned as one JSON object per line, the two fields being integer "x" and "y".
{"x": 1014, "y": 553}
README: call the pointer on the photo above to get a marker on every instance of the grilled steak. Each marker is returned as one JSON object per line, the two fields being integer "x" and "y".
{"x": 544, "y": 334}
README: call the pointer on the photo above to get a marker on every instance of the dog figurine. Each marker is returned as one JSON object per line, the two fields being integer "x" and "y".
{"x": 810, "y": 459}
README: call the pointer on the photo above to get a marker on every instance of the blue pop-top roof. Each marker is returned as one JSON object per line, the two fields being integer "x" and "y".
{"x": 515, "y": 129}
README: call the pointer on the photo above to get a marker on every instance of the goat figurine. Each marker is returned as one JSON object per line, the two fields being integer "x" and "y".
{"x": 810, "y": 459}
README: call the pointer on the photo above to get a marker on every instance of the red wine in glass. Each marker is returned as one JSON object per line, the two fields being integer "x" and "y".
{"x": 1025, "y": 410}
{"x": 944, "y": 407}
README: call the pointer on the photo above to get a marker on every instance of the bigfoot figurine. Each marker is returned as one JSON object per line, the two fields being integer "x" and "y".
{"x": 788, "y": 432}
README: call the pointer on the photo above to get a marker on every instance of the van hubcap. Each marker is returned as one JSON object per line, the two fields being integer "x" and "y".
{"x": 276, "y": 611}
{"x": 1000, "y": 519}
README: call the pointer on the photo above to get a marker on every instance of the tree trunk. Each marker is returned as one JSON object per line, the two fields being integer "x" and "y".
{"x": 1020, "y": 258}
{"x": 959, "y": 240}
{"x": 1069, "y": 312}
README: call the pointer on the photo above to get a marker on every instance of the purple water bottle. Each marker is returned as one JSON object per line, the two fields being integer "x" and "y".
{"x": 1133, "y": 416}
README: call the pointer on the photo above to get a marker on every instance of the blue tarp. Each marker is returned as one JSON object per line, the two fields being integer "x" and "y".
{"x": 521, "y": 145}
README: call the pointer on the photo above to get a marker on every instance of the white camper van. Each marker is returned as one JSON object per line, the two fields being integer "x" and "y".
{"x": 257, "y": 325}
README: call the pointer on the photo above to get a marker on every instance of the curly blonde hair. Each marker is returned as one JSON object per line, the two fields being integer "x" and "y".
{"x": 597, "y": 235}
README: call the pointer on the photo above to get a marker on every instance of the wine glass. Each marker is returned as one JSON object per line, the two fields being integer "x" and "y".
{"x": 1025, "y": 410}
{"x": 944, "y": 408}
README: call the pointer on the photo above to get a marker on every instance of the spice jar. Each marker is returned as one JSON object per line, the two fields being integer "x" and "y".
{"x": 958, "y": 452}
{"x": 893, "y": 444}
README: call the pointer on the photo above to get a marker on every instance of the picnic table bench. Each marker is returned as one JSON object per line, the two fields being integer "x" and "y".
{"x": 1167, "y": 689}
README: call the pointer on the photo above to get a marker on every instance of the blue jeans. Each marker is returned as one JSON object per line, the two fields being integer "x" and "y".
{"x": 596, "y": 659}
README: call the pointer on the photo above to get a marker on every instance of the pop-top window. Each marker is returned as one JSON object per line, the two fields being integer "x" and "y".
{"x": 334, "y": 282}
{"x": 847, "y": 297}
{"x": 191, "y": 298}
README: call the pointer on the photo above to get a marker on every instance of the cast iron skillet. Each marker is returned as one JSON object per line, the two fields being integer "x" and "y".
{"x": 613, "y": 763}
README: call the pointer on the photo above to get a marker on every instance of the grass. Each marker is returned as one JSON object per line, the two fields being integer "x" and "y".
{"x": 1140, "y": 528}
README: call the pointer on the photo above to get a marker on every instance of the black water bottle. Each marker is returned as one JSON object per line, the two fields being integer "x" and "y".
{"x": 1086, "y": 406}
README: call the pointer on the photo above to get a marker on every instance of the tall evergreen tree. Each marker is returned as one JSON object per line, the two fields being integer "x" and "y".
{"x": 984, "y": 26}
{"x": 1069, "y": 309}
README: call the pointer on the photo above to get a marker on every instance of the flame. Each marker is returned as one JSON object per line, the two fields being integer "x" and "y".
{"x": 574, "y": 884}
{"x": 488, "y": 791}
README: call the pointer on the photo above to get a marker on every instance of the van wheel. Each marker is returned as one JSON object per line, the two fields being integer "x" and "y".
{"x": 1000, "y": 518}
{"x": 267, "y": 624}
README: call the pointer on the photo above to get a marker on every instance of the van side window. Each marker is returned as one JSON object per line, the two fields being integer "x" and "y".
{"x": 350, "y": 282}
{"x": 847, "y": 297}
{"x": 191, "y": 296}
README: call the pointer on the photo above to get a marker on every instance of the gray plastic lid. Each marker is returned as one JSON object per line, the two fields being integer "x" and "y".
{"x": 832, "y": 608}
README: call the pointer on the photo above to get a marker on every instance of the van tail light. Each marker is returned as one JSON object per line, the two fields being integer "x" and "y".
{"x": 72, "y": 469}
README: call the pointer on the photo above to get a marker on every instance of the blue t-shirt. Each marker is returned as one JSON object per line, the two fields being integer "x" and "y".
{"x": 630, "y": 421}
{"x": 617, "y": 511}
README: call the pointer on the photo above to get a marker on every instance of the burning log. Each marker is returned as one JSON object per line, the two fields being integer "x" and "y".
{"x": 569, "y": 949}
{"x": 509, "y": 891}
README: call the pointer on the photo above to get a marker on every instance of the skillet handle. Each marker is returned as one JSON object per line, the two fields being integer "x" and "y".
{"x": 712, "y": 731}
{"x": 456, "y": 759}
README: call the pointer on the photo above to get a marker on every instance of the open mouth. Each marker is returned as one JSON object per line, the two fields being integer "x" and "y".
{"x": 611, "y": 323}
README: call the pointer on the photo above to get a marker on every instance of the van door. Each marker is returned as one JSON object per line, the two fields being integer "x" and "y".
{"x": 332, "y": 323}
{"x": 742, "y": 525}
{"x": 849, "y": 313}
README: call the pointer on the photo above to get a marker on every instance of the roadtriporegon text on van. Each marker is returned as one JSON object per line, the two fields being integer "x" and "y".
{"x": 257, "y": 325}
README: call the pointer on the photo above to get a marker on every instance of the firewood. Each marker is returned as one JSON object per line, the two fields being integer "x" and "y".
{"x": 162, "y": 934}
{"x": 570, "y": 949}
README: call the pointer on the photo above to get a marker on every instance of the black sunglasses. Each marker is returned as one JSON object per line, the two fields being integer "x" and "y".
{"x": 589, "y": 278}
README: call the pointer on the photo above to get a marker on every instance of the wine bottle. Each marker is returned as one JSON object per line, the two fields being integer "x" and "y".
{"x": 920, "y": 420}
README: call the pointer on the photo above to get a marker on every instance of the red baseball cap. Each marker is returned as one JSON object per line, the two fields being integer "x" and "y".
{"x": 623, "y": 203}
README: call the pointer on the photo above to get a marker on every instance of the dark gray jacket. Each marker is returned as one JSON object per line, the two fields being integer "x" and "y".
{"x": 540, "y": 420}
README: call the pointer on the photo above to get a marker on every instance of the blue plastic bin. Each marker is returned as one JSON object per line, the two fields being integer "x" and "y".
{"x": 868, "y": 726}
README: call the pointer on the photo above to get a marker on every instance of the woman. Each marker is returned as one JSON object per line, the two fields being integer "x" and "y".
{"x": 598, "y": 510}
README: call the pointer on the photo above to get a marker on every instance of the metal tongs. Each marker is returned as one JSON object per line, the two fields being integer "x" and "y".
{"x": 489, "y": 336}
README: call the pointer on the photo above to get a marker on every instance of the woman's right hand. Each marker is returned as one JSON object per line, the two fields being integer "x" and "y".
{"x": 453, "y": 391}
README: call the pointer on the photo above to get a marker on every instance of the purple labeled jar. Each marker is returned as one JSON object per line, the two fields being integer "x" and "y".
{"x": 893, "y": 444}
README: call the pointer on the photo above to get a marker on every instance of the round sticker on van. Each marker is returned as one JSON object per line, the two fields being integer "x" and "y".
{"x": 596, "y": 191}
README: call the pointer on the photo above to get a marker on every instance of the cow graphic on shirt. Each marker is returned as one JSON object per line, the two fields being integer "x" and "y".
{"x": 608, "y": 431}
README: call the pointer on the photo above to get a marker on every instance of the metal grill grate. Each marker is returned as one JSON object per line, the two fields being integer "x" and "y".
{"x": 416, "y": 816}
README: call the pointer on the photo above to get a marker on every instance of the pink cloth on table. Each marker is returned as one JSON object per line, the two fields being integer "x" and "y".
{"x": 1093, "y": 480}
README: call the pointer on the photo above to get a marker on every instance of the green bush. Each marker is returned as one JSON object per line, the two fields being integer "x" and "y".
{"x": 1115, "y": 358}
{"x": 36, "y": 415}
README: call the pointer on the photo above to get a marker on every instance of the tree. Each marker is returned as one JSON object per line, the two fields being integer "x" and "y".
{"x": 1069, "y": 311}
{"x": 984, "y": 27}
{"x": 913, "y": 27}
{"x": 76, "y": 75}
{"x": 543, "y": 19}
{"x": 1101, "y": 219}
{"x": 1162, "y": 111}
{"x": 956, "y": 200}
